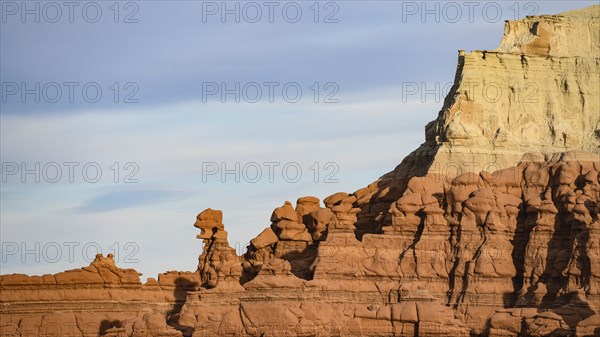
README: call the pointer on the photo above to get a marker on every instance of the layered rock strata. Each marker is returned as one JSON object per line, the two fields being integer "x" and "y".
{"x": 91, "y": 300}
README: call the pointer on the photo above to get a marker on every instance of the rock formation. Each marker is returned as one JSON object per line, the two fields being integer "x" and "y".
{"x": 90, "y": 301}
{"x": 490, "y": 228}
{"x": 218, "y": 262}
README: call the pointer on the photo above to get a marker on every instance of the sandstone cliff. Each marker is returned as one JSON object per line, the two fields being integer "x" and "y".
{"x": 90, "y": 300}
{"x": 490, "y": 228}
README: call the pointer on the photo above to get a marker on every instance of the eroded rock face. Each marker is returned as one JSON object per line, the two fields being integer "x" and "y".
{"x": 490, "y": 228}
{"x": 501, "y": 229}
{"x": 145, "y": 324}
{"x": 289, "y": 245}
{"x": 451, "y": 256}
{"x": 505, "y": 103}
{"x": 92, "y": 300}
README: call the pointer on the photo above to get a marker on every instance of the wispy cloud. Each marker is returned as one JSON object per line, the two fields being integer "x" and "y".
{"x": 121, "y": 199}
{"x": 170, "y": 133}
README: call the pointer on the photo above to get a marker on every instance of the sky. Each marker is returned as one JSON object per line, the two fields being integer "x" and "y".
{"x": 121, "y": 121}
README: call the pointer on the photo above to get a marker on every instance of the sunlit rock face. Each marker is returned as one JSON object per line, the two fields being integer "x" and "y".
{"x": 490, "y": 228}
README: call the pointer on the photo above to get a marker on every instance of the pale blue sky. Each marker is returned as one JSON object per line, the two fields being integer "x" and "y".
{"x": 170, "y": 133}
